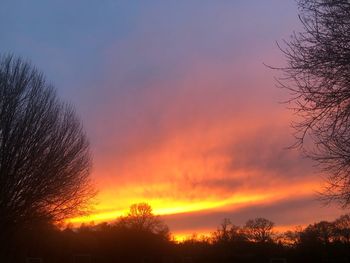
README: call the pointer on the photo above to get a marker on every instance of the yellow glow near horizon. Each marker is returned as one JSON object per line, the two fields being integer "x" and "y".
{"x": 207, "y": 233}
{"x": 170, "y": 207}
{"x": 161, "y": 207}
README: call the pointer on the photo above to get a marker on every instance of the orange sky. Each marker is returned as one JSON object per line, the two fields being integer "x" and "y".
{"x": 179, "y": 107}
{"x": 212, "y": 165}
{"x": 208, "y": 146}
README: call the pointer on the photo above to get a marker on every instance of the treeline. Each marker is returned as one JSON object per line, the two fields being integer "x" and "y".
{"x": 142, "y": 237}
{"x": 257, "y": 241}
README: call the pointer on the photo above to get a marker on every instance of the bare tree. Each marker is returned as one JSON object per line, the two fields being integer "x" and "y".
{"x": 222, "y": 234}
{"x": 318, "y": 76}
{"x": 259, "y": 230}
{"x": 342, "y": 228}
{"x": 290, "y": 238}
{"x": 141, "y": 218}
{"x": 321, "y": 232}
{"x": 228, "y": 232}
{"x": 44, "y": 152}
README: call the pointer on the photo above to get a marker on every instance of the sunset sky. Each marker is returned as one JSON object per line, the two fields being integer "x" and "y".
{"x": 180, "y": 110}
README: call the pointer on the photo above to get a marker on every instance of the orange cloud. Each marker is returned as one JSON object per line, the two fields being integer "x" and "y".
{"x": 204, "y": 143}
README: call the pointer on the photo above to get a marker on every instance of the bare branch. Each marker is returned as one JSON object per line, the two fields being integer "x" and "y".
{"x": 317, "y": 75}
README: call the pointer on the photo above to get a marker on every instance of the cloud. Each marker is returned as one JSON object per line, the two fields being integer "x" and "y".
{"x": 287, "y": 212}
{"x": 174, "y": 96}
{"x": 182, "y": 113}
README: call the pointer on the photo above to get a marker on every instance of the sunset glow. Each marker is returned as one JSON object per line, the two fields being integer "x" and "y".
{"x": 180, "y": 110}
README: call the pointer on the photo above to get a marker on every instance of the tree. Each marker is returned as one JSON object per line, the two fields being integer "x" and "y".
{"x": 259, "y": 230}
{"x": 228, "y": 232}
{"x": 44, "y": 152}
{"x": 342, "y": 228}
{"x": 318, "y": 76}
{"x": 141, "y": 218}
{"x": 318, "y": 233}
{"x": 222, "y": 234}
{"x": 291, "y": 238}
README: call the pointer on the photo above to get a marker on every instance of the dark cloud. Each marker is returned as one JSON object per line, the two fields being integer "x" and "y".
{"x": 268, "y": 150}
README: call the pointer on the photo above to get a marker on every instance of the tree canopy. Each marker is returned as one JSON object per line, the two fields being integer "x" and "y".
{"x": 141, "y": 218}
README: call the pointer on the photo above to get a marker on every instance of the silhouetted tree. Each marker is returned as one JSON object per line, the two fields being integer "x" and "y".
{"x": 342, "y": 228}
{"x": 318, "y": 76}
{"x": 321, "y": 232}
{"x": 259, "y": 230}
{"x": 110, "y": 242}
{"x": 222, "y": 234}
{"x": 291, "y": 237}
{"x": 44, "y": 152}
{"x": 228, "y": 232}
{"x": 141, "y": 218}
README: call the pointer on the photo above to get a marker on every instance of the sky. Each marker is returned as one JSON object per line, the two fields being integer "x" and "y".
{"x": 180, "y": 110}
